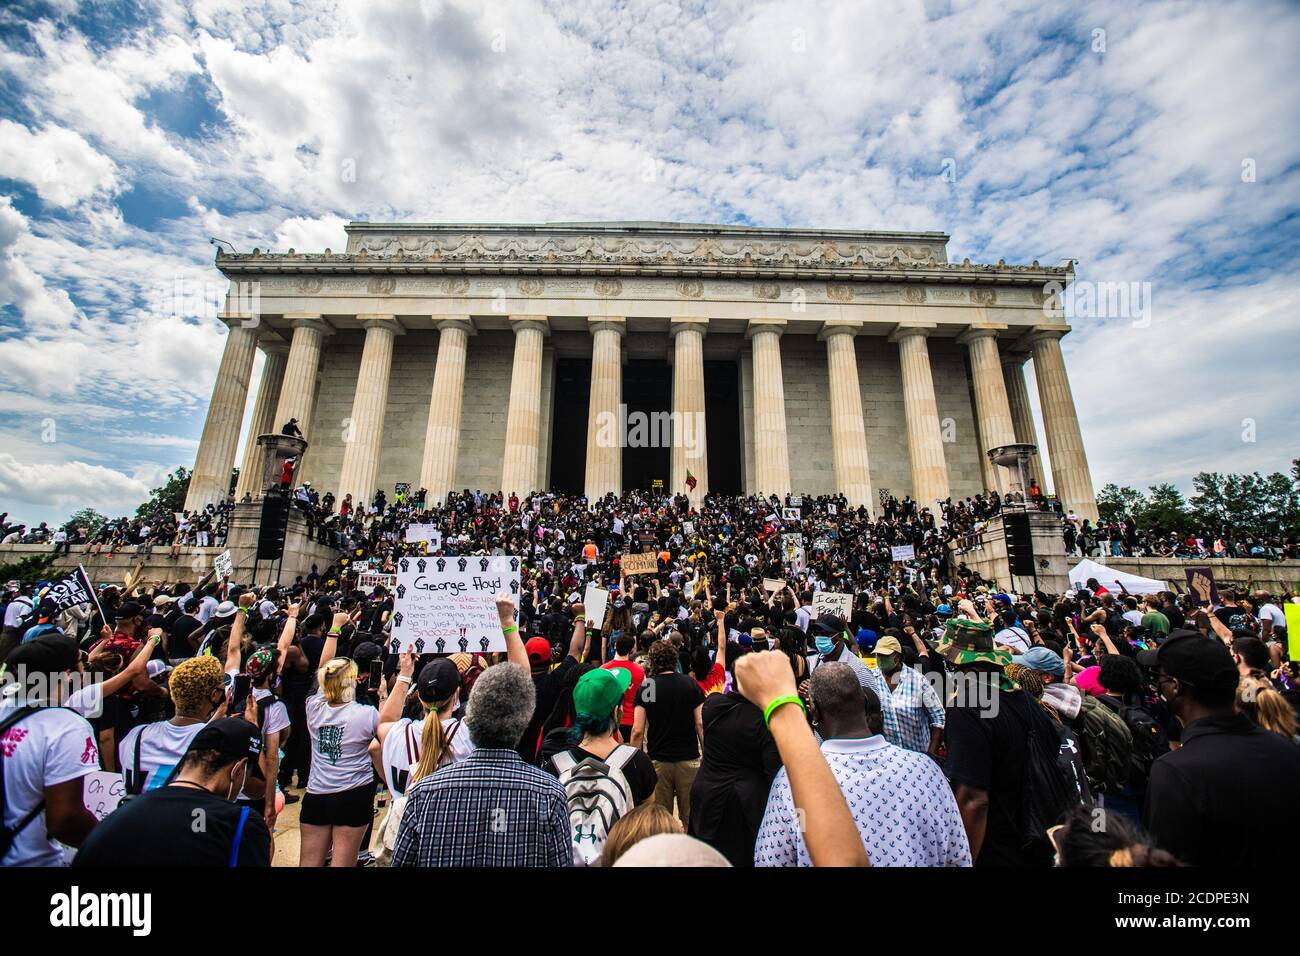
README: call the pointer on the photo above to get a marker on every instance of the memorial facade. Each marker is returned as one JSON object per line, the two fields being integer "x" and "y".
{"x": 596, "y": 357}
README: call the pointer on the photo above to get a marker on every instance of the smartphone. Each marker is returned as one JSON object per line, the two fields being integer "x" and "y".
{"x": 243, "y": 684}
{"x": 376, "y": 673}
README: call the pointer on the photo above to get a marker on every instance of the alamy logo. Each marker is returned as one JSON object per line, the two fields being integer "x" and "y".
{"x": 639, "y": 429}
{"x": 76, "y": 909}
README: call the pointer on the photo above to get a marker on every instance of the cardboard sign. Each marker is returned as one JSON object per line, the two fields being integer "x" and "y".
{"x": 447, "y": 605}
{"x": 639, "y": 564}
{"x": 224, "y": 564}
{"x": 904, "y": 552}
{"x": 369, "y": 580}
{"x": 1291, "y": 611}
{"x": 832, "y": 602}
{"x": 1201, "y": 586}
{"x": 416, "y": 533}
{"x": 102, "y": 791}
{"x": 595, "y": 599}
{"x": 773, "y": 584}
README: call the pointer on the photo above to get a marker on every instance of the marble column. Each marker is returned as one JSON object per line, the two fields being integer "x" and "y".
{"x": 604, "y": 431}
{"x": 1022, "y": 413}
{"x": 363, "y": 433}
{"x": 523, "y": 418}
{"x": 924, "y": 439}
{"x": 1071, "y": 479}
{"x": 263, "y": 421}
{"x": 442, "y": 435}
{"x": 210, "y": 481}
{"x": 690, "y": 451}
{"x": 848, "y": 425}
{"x": 298, "y": 393}
{"x": 771, "y": 448}
{"x": 992, "y": 409}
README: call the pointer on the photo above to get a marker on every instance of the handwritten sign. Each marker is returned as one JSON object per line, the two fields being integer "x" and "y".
{"x": 447, "y": 605}
{"x": 102, "y": 791}
{"x": 796, "y": 501}
{"x": 594, "y": 601}
{"x": 832, "y": 602}
{"x": 639, "y": 564}
{"x": 224, "y": 564}
{"x": 416, "y": 533}
{"x": 367, "y": 581}
{"x": 905, "y": 552}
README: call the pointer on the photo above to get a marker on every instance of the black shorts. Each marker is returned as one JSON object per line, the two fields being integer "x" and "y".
{"x": 348, "y": 808}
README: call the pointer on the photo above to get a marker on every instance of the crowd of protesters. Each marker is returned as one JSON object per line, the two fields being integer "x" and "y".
{"x": 710, "y": 717}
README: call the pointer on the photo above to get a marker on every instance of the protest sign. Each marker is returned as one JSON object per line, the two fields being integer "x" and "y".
{"x": 832, "y": 602}
{"x": 905, "y": 552}
{"x": 447, "y": 605}
{"x": 1291, "y": 611}
{"x": 821, "y": 543}
{"x": 367, "y": 581}
{"x": 102, "y": 791}
{"x": 416, "y": 533}
{"x": 1201, "y": 586}
{"x": 402, "y": 487}
{"x": 832, "y": 509}
{"x": 688, "y": 527}
{"x": 638, "y": 564}
{"x": 792, "y": 551}
{"x": 594, "y": 601}
{"x": 773, "y": 584}
{"x": 224, "y": 564}
{"x": 789, "y": 514}
{"x": 796, "y": 501}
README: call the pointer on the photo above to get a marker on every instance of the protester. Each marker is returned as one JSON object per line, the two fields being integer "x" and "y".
{"x": 669, "y": 719}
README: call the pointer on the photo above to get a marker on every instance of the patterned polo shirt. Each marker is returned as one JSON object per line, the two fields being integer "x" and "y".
{"x": 901, "y": 801}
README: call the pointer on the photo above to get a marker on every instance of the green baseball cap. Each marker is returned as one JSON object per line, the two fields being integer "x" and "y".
{"x": 599, "y": 691}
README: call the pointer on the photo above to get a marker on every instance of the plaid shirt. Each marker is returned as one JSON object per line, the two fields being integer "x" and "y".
{"x": 915, "y": 708}
{"x": 490, "y": 809}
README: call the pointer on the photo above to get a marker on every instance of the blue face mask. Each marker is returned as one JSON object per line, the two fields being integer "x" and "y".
{"x": 825, "y": 645}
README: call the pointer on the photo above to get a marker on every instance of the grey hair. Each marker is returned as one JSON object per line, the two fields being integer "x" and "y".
{"x": 500, "y": 706}
{"x": 834, "y": 688}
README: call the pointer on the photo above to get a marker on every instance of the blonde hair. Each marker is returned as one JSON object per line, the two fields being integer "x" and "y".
{"x": 338, "y": 680}
{"x": 1266, "y": 707}
{"x": 435, "y": 745}
{"x": 646, "y": 820}
{"x": 193, "y": 682}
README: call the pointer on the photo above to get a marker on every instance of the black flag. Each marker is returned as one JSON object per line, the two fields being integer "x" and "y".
{"x": 71, "y": 590}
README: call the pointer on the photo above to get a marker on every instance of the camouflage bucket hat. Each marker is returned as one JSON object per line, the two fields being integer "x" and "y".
{"x": 970, "y": 642}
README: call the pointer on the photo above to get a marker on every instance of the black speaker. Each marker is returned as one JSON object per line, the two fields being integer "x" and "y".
{"x": 275, "y": 521}
{"x": 1020, "y": 543}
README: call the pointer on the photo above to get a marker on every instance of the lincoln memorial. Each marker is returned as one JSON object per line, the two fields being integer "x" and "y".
{"x": 491, "y": 357}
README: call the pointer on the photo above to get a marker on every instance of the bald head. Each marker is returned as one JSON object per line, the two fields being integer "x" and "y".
{"x": 839, "y": 701}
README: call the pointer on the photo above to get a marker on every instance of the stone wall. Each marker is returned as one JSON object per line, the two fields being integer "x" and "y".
{"x": 192, "y": 564}
{"x": 1275, "y": 576}
{"x": 483, "y": 414}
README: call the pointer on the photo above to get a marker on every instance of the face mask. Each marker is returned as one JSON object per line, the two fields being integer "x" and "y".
{"x": 825, "y": 645}
{"x": 888, "y": 664}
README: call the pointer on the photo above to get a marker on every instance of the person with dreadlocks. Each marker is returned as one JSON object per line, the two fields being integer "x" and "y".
{"x": 988, "y": 720}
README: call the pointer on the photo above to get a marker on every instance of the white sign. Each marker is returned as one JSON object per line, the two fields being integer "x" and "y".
{"x": 594, "y": 601}
{"x": 102, "y": 791}
{"x": 416, "y": 533}
{"x": 369, "y": 580}
{"x": 902, "y": 553}
{"x": 832, "y": 602}
{"x": 224, "y": 564}
{"x": 773, "y": 584}
{"x": 688, "y": 527}
{"x": 792, "y": 549}
{"x": 446, "y": 605}
{"x": 789, "y": 514}
{"x": 796, "y": 501}
{"x": 832, "y": 509}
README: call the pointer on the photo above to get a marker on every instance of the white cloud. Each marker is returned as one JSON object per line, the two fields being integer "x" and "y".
{"x": 61, "y": 166}
{"x": 69, "y": 485}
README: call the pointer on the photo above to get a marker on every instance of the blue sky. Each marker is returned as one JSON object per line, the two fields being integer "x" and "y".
{"x": 1154, "y": 143}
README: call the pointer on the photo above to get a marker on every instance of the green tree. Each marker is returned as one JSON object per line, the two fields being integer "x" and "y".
{"x": 1164, "y": 510}
{"x": 29, "y": 570}
{"x": 87, "y": 518}
{"x": 1114, "y": 502}
{"x": 169, "y": 496}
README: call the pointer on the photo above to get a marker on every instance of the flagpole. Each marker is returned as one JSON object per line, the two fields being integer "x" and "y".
{"x": 93, "y": 596}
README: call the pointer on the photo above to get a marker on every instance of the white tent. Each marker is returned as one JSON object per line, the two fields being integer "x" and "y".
{"x": 1111, "y": 579}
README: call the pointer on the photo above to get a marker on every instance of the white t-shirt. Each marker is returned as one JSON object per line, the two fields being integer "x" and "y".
{"x": 44, "y": 749}
{"x": 402, "y": 749}
{"x": 275, "y": 720}
{"x": 340, "y": 741}
{"x": 1271, "y": 612}
{"x": 18, "y": 608}
{"x": 161, "y": 748}
{"x": 1134, "y": 617}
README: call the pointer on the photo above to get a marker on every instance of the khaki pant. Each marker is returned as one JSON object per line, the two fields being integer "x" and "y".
{"x": 675, "y": 779}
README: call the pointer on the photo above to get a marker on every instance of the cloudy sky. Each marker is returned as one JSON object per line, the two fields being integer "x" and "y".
{"x": 1155, "y": 143}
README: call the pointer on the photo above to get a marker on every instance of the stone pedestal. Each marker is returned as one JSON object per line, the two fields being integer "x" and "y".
{"x": 276, "y": 449}
{"x": 988, "y": 555}
{"x": 300, "y": 553}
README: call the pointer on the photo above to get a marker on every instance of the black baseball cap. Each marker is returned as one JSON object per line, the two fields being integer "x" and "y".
{"x": 828, "y": 625}
{"x": 438, "y": 680}
{"x": 232, "y": 736}
{"x": 51, "y": 653}
{"x": 1195, "y": 660}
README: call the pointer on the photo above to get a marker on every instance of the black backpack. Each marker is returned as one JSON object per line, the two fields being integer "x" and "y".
{"x": 1149, "y": 738}
{"x": 1055, "y": 782}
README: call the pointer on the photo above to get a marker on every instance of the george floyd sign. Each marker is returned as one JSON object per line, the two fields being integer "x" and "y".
{"x": 446, "y": 605}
